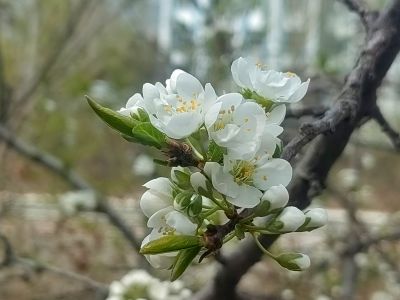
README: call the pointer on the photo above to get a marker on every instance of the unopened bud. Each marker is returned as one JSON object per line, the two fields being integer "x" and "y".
{"x": 290, "y": 219}
{"x": 277, "y": 196}
{"x": 294, "y": 261}
{"x": 317, "y": 218}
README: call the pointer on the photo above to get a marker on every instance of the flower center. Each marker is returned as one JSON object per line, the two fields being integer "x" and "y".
{"x": 242, "y": 172}
{"x": 183, "y": 105}
{"x": 224, "y": 117}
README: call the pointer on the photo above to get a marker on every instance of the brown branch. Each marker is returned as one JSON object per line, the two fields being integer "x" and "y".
{"x": 312, "y": 111}
{"x": 11, "y": 259}
{"x": 381, "y": 46}
{"x": 360, "y": 8}
{"x": 57, "y": 167}
{"x": 393, "y": 135}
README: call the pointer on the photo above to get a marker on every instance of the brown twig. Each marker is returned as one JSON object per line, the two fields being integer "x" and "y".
{"x": 57, "y": 167}
{"x": 393, "y": 135}
{"x": 11, "y": 259}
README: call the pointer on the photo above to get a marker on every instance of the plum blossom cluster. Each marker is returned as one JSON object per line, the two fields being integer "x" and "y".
{"x": 227, "y": 178}
{"x": 140, "y": 285}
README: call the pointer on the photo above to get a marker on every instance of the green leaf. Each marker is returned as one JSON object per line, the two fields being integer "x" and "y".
{"x": 215, "y": 152}
{"x": 147, "y": 134}
{"x": 116, "y": 121}
{"x": 170, "y": 243}
{"x": 183, "y": 260}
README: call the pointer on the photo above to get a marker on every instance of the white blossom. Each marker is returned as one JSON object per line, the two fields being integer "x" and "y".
{"x": 272, "y": 85}
{"x": 241, "y": 180}
{"x": 178, "y": 108}
{"x": 236, "y": 125}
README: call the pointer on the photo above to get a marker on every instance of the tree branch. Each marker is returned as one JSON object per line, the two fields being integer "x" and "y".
{"x": 360, "y": 8}
{"x": 313, "y": 111}
{"x": 11, "y": 259}
{"x": 58, "y": 168}
{"x": 381, "y": 46}
{"x": 393, "y": 135}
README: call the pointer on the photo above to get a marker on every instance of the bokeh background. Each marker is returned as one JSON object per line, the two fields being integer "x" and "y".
{"x": 52, "y": 53}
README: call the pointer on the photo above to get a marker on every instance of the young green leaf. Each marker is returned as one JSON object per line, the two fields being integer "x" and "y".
{"x": 170, "y": 243}
{"x": 183, "y": 260}
{"x": 215, "y": 152}
{"x": 147, "y": 134}
{"x": 116, "y": 121}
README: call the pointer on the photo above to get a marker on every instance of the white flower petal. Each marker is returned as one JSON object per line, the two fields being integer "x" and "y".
{"x": 181, "y": 223}
{"x": 182, "y": 125}
{"x": 151, "y": 202}
{"x": 247, "y": 197}
{"x": 277, "y": 115}
{"x": 292, "y": 218}
{"x": 300, "y": 92}
{"x": 188, "y": 86}
{"x": 160, "y": 184}
{"x": 274, "y": 172}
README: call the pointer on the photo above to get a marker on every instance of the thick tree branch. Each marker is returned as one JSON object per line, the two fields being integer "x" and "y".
{"x": 312, "y": 111}
{"x": 58, "y": 168}
{"x": 381, "y": 46}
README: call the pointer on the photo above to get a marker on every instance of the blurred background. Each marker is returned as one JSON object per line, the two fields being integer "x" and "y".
{"x": 52, "y": 53}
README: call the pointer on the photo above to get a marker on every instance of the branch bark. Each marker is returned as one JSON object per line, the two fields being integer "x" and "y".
{"x": 331, "y": 134}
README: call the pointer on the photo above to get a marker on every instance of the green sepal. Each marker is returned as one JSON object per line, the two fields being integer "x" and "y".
{"x": 285, "y": 260}
{"x": 116, "y": 121}
{"x": 278, "y": 150}
{"x": 239, "y": 232}
{"x": 182, "y": 179}
{"x": 171, "y": 243}
{"x": 215, "y": 152}
{"x": 196, "y": 206}
{"x": 264, "y": 102}
{"x": 183, "y": 260}
{"x": 141, "y": 115}
{"x": 146, "y": 134}
{"x": 183, "y": 199}
{"x": 262, "y": 209}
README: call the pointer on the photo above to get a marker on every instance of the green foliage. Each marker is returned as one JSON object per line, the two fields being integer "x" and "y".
{"x": 170, "y": 243}
{"x": 113, "y": 119}
{"x": 215, "y": 152}
{"x": 183, "y": 260}
{"x": 147, "y": 134}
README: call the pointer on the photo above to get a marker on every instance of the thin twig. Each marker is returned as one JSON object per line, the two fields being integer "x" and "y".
{"x": 393, "y": 135}
{"x": 11, "y": 259}
{"x": 360, "y": 8}
{"x": 57, "y": 167}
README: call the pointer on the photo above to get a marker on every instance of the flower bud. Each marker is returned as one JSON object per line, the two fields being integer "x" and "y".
{"x": 290, "y": 219}
{"x": 277, "y": 196}
{"x": 182, "y": 200}
{"x": 200, "y": 184}
{"x": 294, "y": 261}
{"x": 318, "y": 218}
{"x": 181, "y": 177}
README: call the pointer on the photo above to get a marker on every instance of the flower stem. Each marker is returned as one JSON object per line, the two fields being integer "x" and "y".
{"x": 195, "y": 151}
{"x": 262, "y": 247}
